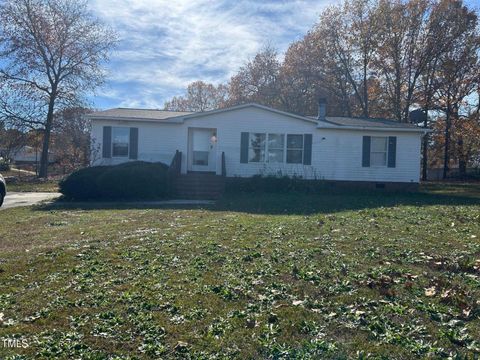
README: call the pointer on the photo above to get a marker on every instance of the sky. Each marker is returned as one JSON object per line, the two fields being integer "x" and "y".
{"x": 166, "y": 44}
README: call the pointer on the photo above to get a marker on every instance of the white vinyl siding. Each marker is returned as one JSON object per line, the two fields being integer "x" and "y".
{"x": 336, "y": 154}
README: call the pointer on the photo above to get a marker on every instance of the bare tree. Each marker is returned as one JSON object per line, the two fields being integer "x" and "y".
{"x": 347, "y": 33}
{"x": 257, "y": 81}
{"x": 457, "y": 79}
{"x": 200, "y": 96}
{"x": 72, "y": 138}
{"x": 52, "y": 53}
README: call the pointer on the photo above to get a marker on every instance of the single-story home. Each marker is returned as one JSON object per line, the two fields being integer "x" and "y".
{"x": 26, "y": 155}
{"x": 251, "y": 139}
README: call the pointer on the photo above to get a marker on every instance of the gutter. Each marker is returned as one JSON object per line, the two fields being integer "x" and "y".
{"x": 367, "y": 128}
{"x": 171, "y": 120}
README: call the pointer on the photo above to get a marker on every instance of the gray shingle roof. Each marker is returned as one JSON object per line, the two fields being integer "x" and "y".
{"x": 149, "y": 114}
{"x": 159, "y": 115}
{"x": 372, "y": 123}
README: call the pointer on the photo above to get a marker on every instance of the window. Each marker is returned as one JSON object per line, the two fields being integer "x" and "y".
{"x": 378, "y": 151}
{"x": 120, "y": 141}
{"x": 294, "y": 149}
{"x": 256, "y": 147}
{"x": 276, "y": 147}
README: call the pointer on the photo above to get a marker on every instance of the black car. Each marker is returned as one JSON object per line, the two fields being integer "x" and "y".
{"x": 3, "y": 189}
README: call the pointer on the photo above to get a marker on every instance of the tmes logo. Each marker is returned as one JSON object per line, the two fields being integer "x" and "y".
{"x": 15, "y": 343}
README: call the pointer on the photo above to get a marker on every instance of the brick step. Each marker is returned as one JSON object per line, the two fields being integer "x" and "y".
{"x": 200, "y": 186}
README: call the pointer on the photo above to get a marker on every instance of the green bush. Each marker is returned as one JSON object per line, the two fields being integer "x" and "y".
{"x": 4, "y": 165}
{"x": 82, "y": 184}
{"x": 132, "y": 180}
{"x": 275, "y": 184}
{"x": 138, "y": 180}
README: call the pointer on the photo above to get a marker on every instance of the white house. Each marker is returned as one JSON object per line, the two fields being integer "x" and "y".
{"x": 251, "y": 139}
{"x": 26, "y": 155}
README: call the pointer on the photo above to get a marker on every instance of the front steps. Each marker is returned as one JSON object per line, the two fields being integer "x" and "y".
{"x": 199, "y": 185}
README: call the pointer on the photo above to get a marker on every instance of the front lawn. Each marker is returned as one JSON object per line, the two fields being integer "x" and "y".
{"x": 26, "y": 181}
{"x": 263, "y": 276}
{"x": 33, "y": 185}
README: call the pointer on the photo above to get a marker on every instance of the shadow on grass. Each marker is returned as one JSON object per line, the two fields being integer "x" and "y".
{"x": 335, "y": 200}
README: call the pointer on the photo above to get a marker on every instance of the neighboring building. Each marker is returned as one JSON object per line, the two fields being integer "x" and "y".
{"x": 28, "y": 155}
{"x": 255, "y": 139}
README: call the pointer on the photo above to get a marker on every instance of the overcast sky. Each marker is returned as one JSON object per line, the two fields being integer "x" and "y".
{"x": 166, "y": 44}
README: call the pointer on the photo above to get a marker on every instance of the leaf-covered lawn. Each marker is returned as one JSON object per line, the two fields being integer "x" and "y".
{"x": 266, "y": 276}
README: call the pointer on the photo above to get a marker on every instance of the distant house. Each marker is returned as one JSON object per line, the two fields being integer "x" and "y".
{"x": 28, "y": 155}
{"x": 252, "y": 139}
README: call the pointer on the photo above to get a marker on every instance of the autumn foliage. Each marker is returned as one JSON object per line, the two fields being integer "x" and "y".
{"x": 380, "y": 58}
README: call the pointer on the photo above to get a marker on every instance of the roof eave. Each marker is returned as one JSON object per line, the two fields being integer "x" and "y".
{"x": 258, "y": 106}
{"x": 369, "y": 128}
{"x": 170, "y": 120}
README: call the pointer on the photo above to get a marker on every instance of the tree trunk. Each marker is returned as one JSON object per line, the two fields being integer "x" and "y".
{"x": 43, "y": 173}
{"x": 425, "y": 150}
{"x": 446, "y": 155}
{"x": 365, "y": 89}
{"x": 462, "y": 162}
{"x": 425, "y": 125}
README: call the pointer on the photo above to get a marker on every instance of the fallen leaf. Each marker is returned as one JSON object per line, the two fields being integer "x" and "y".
{"x": 431, "y": 291}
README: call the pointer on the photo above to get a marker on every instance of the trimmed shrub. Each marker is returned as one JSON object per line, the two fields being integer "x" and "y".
{"x": 82, "y": 184}
{"x": 132, "y": 180}
{"x": 136, "y": 180}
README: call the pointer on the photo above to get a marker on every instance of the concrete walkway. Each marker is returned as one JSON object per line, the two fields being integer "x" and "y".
{"x": 15, "y": 199}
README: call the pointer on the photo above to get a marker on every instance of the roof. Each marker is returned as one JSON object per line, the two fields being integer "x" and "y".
{"x": 140, "y": 114}
{"x": 255, "y": 105}
{"x": 371, "y": 122}
{"x": 179, "y": 116}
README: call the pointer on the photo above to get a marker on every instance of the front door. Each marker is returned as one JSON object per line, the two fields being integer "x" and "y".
{"x": 202, "y": 149}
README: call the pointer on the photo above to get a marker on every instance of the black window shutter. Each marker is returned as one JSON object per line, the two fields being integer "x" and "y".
{"x": 307, "y": 149}
{"x": 392, "y": 151}
{"x": 366, "y": 151}
{"x": 107, "y": 142}
{"x": 133, "y": 143}
{"x": 244, "y": 148}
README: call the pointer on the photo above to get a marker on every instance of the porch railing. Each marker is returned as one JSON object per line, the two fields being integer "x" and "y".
{"x": 224, "y": 167}
{"x": 176, "y": 165}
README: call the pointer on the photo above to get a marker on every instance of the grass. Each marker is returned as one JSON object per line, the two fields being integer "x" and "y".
{"x": 33, "y": 186}
{"x": 21, "y": 181}
{"x": 357, "y": 275}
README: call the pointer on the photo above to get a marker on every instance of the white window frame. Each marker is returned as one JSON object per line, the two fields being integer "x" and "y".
{"x": 266, "y": 148}
{"x": 379, "y": 152}
{"x": 296, "y": 149}
{"x": 113, "y": 136}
